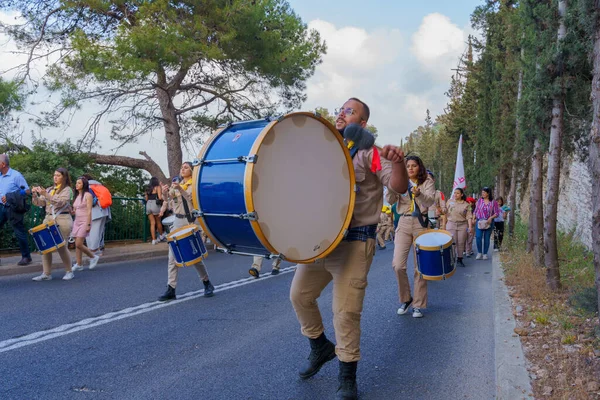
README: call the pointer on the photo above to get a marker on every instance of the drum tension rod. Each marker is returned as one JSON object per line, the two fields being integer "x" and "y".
{"x": 245, "y": 159}
{"x": 249, "y": 216}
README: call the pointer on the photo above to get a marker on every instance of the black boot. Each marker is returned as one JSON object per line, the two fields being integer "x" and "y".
{"x": 460, "y": 263}
{"x": 169, "y": 294}
{"x": 347, "y": 377}
{"x": 208, "y": 289}
{"x": 321, "y": 351}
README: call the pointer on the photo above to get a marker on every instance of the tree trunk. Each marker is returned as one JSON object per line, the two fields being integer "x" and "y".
{"x": 595, "y": 156}
{"x": 172, "y": 131}
{"x": 148, "y": 164}
{"x": 555, "y": 150}
{"x": 512, "y": 194}
{"x": 502, "y": 184}
{"x": 536, "y": 209}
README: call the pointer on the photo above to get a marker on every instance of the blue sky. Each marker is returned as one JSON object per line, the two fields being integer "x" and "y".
{"x": 396, "y": 55}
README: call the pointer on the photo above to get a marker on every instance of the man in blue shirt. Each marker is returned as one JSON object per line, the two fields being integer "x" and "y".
{"x": 12, "y": 181}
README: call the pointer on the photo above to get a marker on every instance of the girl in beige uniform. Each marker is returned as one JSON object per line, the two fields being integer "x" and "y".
{"x": 460, "y": 222}
{"x": 419, "y": 197}
{"x": 57, "y": 200}
{"x": 179, "y": 193}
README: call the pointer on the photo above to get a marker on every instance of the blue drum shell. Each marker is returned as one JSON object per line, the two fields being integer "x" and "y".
{"x": 188, "y": 250}
{"x": 49, "y": 239}
{"x": 429, "y": 263}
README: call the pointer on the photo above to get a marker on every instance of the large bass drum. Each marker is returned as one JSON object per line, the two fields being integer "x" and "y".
{"x": 281, "y": 187}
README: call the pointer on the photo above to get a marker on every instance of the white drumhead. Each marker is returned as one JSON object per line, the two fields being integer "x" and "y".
{"x": 302, "y": 187}
{"x": 433, "y": 239}
{"x": 169, "y": 220}
{"x": 181, "y": 232}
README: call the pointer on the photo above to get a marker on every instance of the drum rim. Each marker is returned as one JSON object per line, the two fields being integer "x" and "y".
{"x": 433, "y": 248}
{"x": 42, "y": 226}
{"x": 171, "y": 238}
{"x": 248, "y": 198}
{"x": 437, "y": 277}
{"x": 195, "y": 178}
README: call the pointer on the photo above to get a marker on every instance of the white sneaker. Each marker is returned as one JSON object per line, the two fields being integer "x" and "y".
{"x": 485, "y": 257}
{"x": 154, "y": 241}
{"x": 496, "y": 249}
{"x": 417, "y": 313}
{"x": 68, "y": 276}
{"x": 479, "y": 255}
{"x": 163, "y": 237}
{"x": 94, "y": 262}
{"x": 77, "y": 267}
{"x": 42, "y": 277}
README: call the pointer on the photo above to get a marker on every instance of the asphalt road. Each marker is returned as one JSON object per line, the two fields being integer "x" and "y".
{"x": 103, "y": 336}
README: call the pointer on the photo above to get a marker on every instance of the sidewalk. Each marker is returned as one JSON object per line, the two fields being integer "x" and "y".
{"x": 114, "y": 252}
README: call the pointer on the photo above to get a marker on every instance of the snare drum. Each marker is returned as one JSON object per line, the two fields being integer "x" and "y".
{"x": 47, "y": 237}
{"x": 283, "y": 187}
{"x": 434, "y": 256}
{"x": 186, "y": 245}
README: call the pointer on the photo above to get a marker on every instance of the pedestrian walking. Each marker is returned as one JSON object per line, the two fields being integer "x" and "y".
{"x": 180, "y": 194}
{"x": 100, "y": 217}
{"x": 460, "y": 222}
{"x": 471, "y": 234}
{"x": 13, "y": 182}
{"x": 486, "y": 210}
{"x": 499, "y": 224}
{"x": 57, "y": 200}
{"x": 412, "y": 208}
{"x": 82, "y": 210}
{"x": 435, "y": 211}
{"x": 384, "y": 227}
{"x": 348, "y": 265}
{"x": 154, "y": 203}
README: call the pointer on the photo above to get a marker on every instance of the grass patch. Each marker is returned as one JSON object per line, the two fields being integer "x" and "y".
{"x": 569, "y": 339}
{"x": 541, "y": 317}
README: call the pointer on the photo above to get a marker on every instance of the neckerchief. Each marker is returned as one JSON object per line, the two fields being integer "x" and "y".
{"x": 186, "y": 184}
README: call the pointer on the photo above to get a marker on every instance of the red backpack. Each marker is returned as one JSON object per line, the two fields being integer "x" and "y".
{"x": 103, "y": 195}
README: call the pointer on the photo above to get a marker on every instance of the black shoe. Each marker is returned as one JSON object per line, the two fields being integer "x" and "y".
{"x": 347, "y": 378}
{"x": 169, "y": 294}
{"x": 404, "y": 307}
{"x": 459, "y": 263}
{"x": 254, "y": 272}
{"x": 275, "y": 271}
{"x": 381, "y": 247}
{"x": 208, "y": 289}
{"x": 24, "y": 261}
{"x": 321, "y": 351}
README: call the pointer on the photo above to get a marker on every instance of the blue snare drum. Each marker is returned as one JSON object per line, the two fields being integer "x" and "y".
{"x": 434, "y": 256}
{"x": 47, "y": 237}
{"x": 187, "y": 246}
{"x": 281, "y": 187}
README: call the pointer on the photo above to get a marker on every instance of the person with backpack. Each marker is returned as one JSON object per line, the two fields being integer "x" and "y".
{"x": 12, "y": 181}
{"x": 100, "y": 214}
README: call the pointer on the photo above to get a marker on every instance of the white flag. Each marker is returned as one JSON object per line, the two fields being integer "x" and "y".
{"x": 459, "y": 172}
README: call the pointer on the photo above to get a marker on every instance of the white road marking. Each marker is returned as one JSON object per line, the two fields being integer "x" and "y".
{"x": 41, "y": 336}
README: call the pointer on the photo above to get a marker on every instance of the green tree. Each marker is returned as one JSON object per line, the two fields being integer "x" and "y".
{"x": 185, "y": 66}
{"x": 11, "y": 99}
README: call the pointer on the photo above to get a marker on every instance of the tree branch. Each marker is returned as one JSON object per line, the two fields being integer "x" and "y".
{"x": 148, "y": 164}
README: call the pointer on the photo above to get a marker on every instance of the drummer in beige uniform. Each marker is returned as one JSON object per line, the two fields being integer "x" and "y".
{"x": 413, "y": 202}
{"x": 180, "y": 193}
{"x": 348, "y": 265}
{"x": 57, "y": 200}
{"x": 257, "y": 266}
{"x": 435, "y": 212}
{"x": 460, "y": 222}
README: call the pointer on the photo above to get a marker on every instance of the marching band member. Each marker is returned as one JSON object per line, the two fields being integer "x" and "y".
{"x": 348, "y": 265}
{"x": 460, "y": 222}
{"x": 435, "y": 212}
{"x": 412, "y": 207}
{"x": 257, "y": 266}
{"x": 57, "y": 200}
{"x": 181, "y": 196}
{"x": 384, "y": 228}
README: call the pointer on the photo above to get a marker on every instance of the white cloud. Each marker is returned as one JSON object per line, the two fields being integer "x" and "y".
{"x": 438, "y": 45}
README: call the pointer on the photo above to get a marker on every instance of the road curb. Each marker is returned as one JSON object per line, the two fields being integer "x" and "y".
{"x": 109, "y": 258}
{"x": 512, "y": 378}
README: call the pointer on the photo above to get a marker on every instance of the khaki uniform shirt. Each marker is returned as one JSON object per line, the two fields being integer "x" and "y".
{"x": 369, "y": 197}
{"x": 424, "y": 200}
{"x": 177, "y": 198}
{"x": 61, "y": 200}
{"x": 384, "y": 220}
{"x": 458, "y": 211}
{"x": 438, "y": 202}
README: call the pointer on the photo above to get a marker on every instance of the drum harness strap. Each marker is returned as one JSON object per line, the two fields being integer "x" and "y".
{"x": 188, "y": 215}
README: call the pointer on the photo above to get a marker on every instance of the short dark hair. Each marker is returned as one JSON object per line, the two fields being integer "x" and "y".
{"x": 366, "y": 108}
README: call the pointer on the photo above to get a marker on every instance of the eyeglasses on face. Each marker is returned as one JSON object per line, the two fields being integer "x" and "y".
{"x": 346, "y": 111}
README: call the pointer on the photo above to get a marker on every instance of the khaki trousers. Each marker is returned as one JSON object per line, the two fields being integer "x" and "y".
{"x": 459, "y": 234}
{"x": 257, "y": 263}
{"x": 348, "y": 266}
{"x": 172, "y": 268}
{"x": 408, "y": 228}
{"x": 470, "y": 237}
{"x": 65, "y": 225}
{"x": 384, "y": 233}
